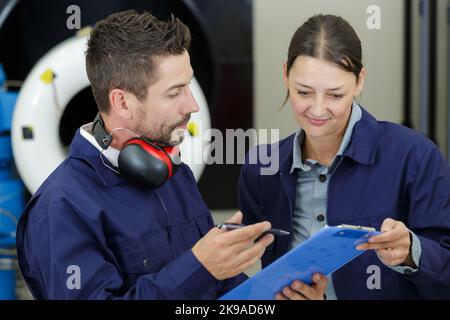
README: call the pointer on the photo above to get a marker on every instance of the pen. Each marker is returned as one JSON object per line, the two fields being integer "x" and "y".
{"x": 233, "y": 226}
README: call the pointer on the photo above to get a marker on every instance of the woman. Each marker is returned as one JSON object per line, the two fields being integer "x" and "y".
{"x": 345, "y": 167}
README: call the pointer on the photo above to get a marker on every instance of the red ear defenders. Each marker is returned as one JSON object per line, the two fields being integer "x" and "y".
{"x": 140, "y": 161}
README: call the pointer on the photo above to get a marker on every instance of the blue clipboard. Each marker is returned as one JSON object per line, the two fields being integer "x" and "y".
{"x": 325, "y": 252}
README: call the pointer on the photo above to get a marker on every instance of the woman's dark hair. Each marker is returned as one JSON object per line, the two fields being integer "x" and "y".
{"x": 330, "y": 38}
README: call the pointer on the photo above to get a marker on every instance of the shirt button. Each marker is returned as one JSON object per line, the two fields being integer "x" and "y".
{"x": 320, "y": 218}
{"x": 407, "y": 272}
{"x": 145, "y": 263}
{"x": 322, "y": 178}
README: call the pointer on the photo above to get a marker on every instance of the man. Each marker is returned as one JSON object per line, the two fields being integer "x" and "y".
{"x": 90, "y": 233}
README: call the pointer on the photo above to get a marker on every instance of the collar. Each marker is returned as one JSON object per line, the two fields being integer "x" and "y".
{"x": 111, "y": 154}
{"x": 297, "y": 162}
{"x": 82, "y": 149}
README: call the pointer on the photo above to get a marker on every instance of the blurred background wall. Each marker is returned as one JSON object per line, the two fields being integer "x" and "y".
{"x": 383, "y": 52}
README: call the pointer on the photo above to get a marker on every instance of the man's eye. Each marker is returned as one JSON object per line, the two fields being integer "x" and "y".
{"x": 175, "y": 94}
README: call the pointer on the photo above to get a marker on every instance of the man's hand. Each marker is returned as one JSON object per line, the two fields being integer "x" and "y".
{"x": 225, "y": 254}
{"x": 301, "y": 291}
{"x": 393, "y": 246}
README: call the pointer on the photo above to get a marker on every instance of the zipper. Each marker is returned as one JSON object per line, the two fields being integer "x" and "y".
{"x": 168, "y": 225}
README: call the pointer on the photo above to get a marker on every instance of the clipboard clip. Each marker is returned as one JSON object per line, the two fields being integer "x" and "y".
{"x": 349, "y": 226}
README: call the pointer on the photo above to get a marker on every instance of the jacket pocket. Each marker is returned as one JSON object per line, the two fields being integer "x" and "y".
{"x": 148, "y": 254}
{"x": 135, "y": 261}
{"x": 204, "y": 223}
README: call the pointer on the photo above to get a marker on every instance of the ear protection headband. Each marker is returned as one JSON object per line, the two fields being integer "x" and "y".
{"x": 141, "y": 161}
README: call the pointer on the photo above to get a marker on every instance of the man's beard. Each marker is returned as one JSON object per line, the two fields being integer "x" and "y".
{"x": 172, "y": 136}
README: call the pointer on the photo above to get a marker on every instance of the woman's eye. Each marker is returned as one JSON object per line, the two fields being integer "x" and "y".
{"x": 336, "y": 96}
{"x": 303, "y": 93}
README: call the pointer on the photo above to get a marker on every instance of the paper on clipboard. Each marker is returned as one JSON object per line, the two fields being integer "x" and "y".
{"x": 325, "y": 252}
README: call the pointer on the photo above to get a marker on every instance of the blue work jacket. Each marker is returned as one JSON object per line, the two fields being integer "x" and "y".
{"x": 89, "y": 234}
{"x": 387, "y": 171}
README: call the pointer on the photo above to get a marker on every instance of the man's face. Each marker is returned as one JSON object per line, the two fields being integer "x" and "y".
{"x": 163, "y": 115}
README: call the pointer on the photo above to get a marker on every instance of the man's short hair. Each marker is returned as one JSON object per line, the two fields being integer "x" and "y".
{"x": 122, "y": 49}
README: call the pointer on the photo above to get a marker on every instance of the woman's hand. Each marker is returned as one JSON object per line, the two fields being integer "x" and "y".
{"x": 393, "y": 246}
{"x": 300, "y": 291}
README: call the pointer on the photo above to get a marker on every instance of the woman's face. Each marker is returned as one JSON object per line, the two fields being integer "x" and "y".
{"x": 321, "y": 94}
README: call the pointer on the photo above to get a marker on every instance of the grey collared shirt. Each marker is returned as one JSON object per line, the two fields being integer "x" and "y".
{"x": 310, "y": 212}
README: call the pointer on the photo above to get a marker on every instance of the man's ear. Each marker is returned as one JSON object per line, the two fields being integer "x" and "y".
{"x": 361, "y": 81}
{"x": 285, "y": 76}
{"x": 120, "y": 104}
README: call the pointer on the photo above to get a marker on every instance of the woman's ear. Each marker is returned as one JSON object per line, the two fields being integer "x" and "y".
{"x": 285, "y": 76}
{"x": 361, "y": 81}
{"x": 120, "y": 104}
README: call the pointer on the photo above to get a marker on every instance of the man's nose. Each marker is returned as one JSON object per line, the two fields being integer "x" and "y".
{"x": 191, "y": 105}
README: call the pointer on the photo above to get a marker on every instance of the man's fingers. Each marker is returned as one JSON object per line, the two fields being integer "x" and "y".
{"x": 249, "y": 263}
{"x": 236, "y": 218}
{"x": 266, "y": 240}
{"x": 256, "y": 251}
{"x": 244, "y": 246}
{"x": 246, "y": 265}
{"x": 246, "y": 233}
{"x": 217, "y": 230}
{"x": 238, "y": 263}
